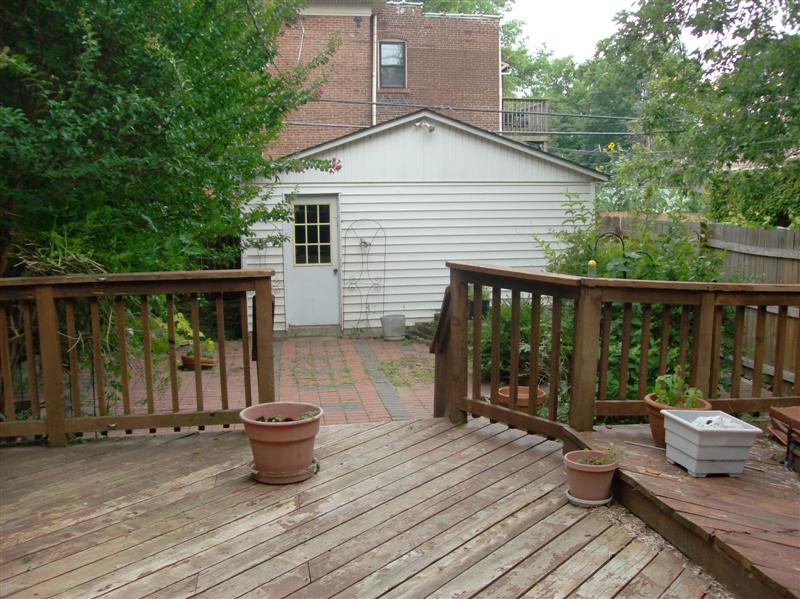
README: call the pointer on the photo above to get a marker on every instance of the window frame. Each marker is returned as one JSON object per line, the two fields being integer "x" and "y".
{"x": 318, "y": 244}
{"x": 405, "y": 64}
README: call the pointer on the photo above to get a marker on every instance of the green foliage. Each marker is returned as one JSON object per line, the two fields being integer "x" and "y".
{"x": 128, "y": 130}
{"x": 672, "y": 390}
{"x": 478, "y": 7}
{"x": 611, "y": 455}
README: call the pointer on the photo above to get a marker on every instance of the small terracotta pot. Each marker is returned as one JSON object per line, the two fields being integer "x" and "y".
{"x": 283, "y": 452}
{"x": 522, "y": 396}
{"x": 588, "y": 482}
{"x": 205, "y": 362}
{"x": 657, "y": 420}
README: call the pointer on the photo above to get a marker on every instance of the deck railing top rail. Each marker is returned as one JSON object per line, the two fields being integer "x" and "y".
{"x": 538, "y": 276}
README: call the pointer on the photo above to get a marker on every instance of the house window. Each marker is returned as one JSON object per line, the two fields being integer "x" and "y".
{"x": 312, "y": 234}
{"x": 393, "y": 64}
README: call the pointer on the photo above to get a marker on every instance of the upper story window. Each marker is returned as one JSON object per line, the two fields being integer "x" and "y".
{"x": 393, "y": 64}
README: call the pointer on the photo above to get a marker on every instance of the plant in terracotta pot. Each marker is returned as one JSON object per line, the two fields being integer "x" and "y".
{"x": 281, "y": 436}
{"x": 589, "y": 475}
{"x": 671, "y": 393}
{"x": 523, "y": 393}
{"x": 207, "y": 360}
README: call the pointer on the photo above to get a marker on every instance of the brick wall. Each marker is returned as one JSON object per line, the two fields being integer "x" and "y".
{"x": 450, "y": 60}
{"x": 348, "y": 75}
{"x": 453, "y": 61}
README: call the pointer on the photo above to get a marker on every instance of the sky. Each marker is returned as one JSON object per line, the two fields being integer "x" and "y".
{"x": 569, "y": 27}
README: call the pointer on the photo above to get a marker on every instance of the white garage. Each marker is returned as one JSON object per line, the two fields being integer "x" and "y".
{"x": 412, "y": 193}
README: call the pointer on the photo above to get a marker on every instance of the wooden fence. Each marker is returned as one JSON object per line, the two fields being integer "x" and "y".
{"x": 695, "y": 323}
{"x": 60, "y": 312}
{"x": 751, "y": 255}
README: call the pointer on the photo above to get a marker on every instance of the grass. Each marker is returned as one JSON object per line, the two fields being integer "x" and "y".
{"x": 408, "y": 371}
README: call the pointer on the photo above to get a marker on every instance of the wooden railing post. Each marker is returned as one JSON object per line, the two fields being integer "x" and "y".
{"x": 457, "y": 348}
{"x": 703, "y": 344}
{"x": 50, "y": 353}
{"x": 439, "y": 349}
{"x": 584, "y": 360}
{"x": 262, "y": 325}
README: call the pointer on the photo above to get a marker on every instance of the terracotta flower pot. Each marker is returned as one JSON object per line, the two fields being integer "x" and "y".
{"x": 205, "y": 362}
{"x": 283, "y": 452}
{"x": 522, "y": 396}
{"x": 589, "y": 482}
{"x": 657, "y": 420}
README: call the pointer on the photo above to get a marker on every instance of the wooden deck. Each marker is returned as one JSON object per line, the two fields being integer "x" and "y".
{"x": 400, "y": 509}
{"x": 745, "y": 531}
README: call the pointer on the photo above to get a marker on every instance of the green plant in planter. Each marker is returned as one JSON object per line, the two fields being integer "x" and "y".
{"x": 304, "y": 416}
{"x": 672, "y": 390}
{"x": 611, "y": 454}
{"x": 207, "y": 347}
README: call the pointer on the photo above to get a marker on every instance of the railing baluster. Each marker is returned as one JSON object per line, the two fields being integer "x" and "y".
{"x": 119, "y": 311}
{"x": 148, "y": 357}
{"x": 797, "y": 360}
{"x": 605, "y": 342}
{"x": 713, "y": 386}
{"x": 50, "y": 351}
{"x": 583, "y": 377}
{"x": 171, "y": 356}
{"x": 72, "y": 353}
{"x": 494, "y": 376}
{"x": 457, "y": 349}
{"x": 702, "y": 341}
{"x": 477, "y": 316}
{"x": 248, "y": 394}
{"x": 663, "y": 351}
{"x": 645, "y": 348}
{"x": 627, "y": 313}
{"x": 555, "y": 358}
{"x": 780, "y": 351}
{"x": 738, "y": 342}
{"x": 97, "y": 357}
{"x": 263, "y": 341}
{"x": 5, "y": 366}
{"x": 197, "y": 350}
{"x": 758, "y": 357}
{"x": 533, "y": 367}
{"x": 684, "y": 339}
{"x": 514, "y": 351}
{"x": 223, "y": 372}
{"x": 30, "y": 359}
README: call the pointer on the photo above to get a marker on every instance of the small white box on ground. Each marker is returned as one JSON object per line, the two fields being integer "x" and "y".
{"x": 708, "y": 442}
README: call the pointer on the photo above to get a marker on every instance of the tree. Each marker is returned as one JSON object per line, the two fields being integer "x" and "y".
{"x": 734, "y": 98}
{"x": 130, "y": 130}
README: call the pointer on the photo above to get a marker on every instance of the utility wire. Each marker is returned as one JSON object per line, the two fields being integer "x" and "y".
{"x": 486, "y": 110}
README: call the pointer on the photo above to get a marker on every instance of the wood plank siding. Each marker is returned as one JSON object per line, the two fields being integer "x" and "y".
{"x": 420, "y": 199}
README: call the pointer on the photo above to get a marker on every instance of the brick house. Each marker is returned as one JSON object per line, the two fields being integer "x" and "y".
{"x": 392, "y": 59}
{"x": 432, "y": 168}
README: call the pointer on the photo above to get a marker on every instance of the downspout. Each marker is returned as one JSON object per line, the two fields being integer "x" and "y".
{"x": 374, "y": 68}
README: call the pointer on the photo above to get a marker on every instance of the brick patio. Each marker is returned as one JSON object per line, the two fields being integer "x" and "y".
{"x": 355, "y": 380}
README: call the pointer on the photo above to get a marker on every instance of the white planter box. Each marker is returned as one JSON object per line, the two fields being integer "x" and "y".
{"x": 705, "y": 449}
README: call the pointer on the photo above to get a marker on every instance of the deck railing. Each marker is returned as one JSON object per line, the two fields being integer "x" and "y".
{"x": 524, "y": 115}
{"x": 91, "y": 331}
{"x": 699, "y": 326}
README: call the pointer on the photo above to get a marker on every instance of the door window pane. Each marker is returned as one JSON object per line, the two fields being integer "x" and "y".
{"x": 312, "y": 234}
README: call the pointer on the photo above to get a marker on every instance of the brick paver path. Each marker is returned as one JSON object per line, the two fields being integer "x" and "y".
{"x": 353, "y": 379}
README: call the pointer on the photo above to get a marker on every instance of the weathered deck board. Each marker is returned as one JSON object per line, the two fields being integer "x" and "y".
{"x": 745, "y": 530}
{"x": 400, "y": 509}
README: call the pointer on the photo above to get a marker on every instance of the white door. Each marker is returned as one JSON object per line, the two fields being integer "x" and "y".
{"x": 312, "y": 263}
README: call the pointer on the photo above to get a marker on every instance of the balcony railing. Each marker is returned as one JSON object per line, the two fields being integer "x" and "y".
{"x": 524, "y": 115}
{"x": 699, "y": 326}
{"x": 78, "y": 353}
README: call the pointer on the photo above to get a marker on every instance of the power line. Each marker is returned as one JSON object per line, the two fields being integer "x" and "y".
{"x": 484, "y": 110}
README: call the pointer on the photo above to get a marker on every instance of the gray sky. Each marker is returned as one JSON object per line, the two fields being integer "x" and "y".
{"x": 569, "y": 27}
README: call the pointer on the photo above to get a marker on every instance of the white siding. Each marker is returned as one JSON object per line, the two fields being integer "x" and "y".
{"x": 437, "y": 197}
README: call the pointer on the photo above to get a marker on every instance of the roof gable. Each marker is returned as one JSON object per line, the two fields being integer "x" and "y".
{"x": 426, "y": 121}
